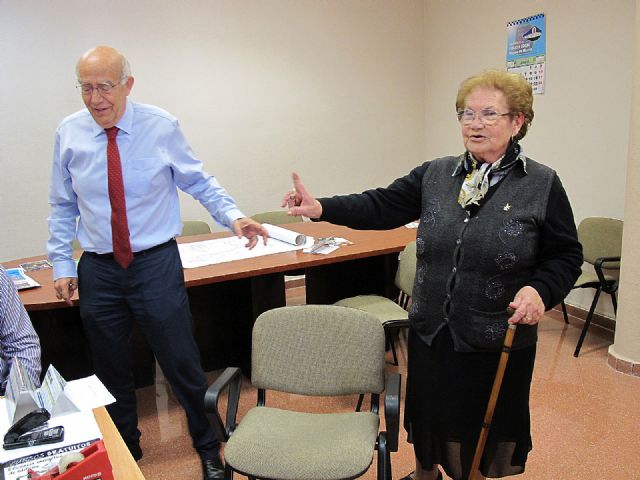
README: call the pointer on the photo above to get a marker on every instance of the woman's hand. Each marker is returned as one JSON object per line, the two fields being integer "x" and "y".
{"x": 299, "y": 201}
{"x": 249, "y": 228}
{"x": 528, "y": 307}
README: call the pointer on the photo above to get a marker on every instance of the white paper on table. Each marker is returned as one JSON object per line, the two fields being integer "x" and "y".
{"x": 80, "y": 430}
{"x": 88, "y": 393}
{"x": 229, "y": 249}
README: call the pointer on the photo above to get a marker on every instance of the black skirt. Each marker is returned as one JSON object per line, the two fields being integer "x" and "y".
{"x": 446, "y": 400}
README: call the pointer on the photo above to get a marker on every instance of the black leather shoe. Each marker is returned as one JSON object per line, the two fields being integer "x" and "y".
{"x": 212, "y": 469}
{"x": 136, "y": 451}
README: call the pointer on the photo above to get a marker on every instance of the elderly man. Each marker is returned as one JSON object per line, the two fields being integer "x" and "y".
{"x": 116, "y": 169}
{"x": 18, "y": 339}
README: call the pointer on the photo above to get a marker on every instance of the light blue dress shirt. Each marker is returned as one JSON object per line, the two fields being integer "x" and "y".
{"x": 156, "y": 159}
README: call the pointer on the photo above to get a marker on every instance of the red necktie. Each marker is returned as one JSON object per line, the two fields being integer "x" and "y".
{"x": 119, "y": 225}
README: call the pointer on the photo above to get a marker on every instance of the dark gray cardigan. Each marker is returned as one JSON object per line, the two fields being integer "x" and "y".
{"x": 470, "y": 267}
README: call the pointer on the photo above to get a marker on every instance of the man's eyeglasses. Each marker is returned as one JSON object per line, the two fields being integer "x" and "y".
{"x": 486, "y": 116}
{"x": 104, "y": 88}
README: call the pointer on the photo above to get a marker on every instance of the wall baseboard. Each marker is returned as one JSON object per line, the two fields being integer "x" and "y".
{"x": 581, "y": 314}
{"x": 623, "y": 366}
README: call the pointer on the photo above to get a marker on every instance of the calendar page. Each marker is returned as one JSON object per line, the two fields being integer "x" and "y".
{"x": 526, "y": 50}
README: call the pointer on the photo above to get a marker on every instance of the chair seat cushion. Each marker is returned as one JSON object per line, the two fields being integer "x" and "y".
{"x": 286, "y": 445}
{"x": 383, "y": 308}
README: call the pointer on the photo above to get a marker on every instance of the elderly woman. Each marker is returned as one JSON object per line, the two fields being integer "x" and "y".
{"x": 496, "y": 230}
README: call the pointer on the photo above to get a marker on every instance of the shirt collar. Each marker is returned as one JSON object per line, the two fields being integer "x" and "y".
{"x": 125, "y": 123}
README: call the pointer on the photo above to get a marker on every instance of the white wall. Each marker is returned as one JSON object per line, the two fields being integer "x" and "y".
{"x": 581, "y": 124}
{"x": 332, "y": 88}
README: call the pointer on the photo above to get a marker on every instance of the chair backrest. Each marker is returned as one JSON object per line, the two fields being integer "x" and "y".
{"x": 406, "y": 268}
{"x": 318, "y": 350}
{"x": 194, "y": 227}
{"x": 277, "y": 217}
{"x": 600, "y": 237}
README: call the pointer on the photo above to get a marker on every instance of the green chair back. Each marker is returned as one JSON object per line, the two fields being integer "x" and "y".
{"x": 194, "y": 227}
{"x": 406, "y": 269}
{"x": 318, "y": 350}
{"x": 276, "y": 217}
{"x": 600, "y": 237}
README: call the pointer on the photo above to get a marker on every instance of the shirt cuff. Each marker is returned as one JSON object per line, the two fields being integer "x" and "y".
{"x": 64, "y": 268}
{"x": 233, "y": 215}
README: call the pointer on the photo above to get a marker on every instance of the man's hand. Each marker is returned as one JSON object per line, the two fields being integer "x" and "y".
{"x": 246, "y": 227}
{"x": 299, "y": 201}
{"x": 65, "y": 288}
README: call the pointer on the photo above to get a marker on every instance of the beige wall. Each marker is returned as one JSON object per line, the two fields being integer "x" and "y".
{"x": 581, "y": 125}
{"x": 627, "y": 339}
{"x": 332, "y": 88}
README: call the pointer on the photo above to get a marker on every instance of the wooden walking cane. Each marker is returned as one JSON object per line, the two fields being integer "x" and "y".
{"x": 495, "y": 391}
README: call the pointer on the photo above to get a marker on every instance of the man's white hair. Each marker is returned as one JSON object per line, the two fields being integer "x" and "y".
{"x": 125, "y": 68}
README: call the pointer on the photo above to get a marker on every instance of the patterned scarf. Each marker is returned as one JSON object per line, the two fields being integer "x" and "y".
{"x": 481, "y": 176}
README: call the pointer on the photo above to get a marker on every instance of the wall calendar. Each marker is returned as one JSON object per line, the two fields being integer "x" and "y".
{"x": 526, "y": 50}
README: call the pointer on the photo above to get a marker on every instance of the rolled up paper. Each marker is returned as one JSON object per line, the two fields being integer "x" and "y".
{"x": 284, "y": 235}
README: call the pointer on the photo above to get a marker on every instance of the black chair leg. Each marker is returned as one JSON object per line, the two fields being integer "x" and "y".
{"x": 587, "y": 322}
{"x": 228, "y": 472}
{"x": 393, "y": 350}
{"x": 390, "y": 344}
{"x": 614, "y": 300}
{"x": 564, "y": 312}
{"x": 384, "y": 459}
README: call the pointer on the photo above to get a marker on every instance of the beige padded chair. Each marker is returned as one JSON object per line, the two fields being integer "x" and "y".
{"x": 277, "y": 217}
{"x": 310, "y": 350}
{"x": 194, "y": 227}
{"x": 601, "y": 240}
{"x": 392, "y": 314}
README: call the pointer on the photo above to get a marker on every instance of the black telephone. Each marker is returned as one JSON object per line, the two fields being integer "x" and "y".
{"x": 20, "y": 434}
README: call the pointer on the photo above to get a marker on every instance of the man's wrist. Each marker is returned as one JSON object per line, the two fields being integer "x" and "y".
{"x": 64, "y": 269}
{"x": 233, "y": 215}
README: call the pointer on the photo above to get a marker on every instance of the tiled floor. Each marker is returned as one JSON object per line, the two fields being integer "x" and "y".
{"x": 585, "y": 415}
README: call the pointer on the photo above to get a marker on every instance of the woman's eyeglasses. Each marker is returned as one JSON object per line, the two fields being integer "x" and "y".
{"x": 486, "y": 116}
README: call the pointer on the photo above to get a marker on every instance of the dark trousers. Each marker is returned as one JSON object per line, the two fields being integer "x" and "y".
{"x": 150, "y": 292}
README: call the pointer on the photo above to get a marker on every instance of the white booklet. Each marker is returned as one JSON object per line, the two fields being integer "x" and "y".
{"x": 20, "y": 279}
